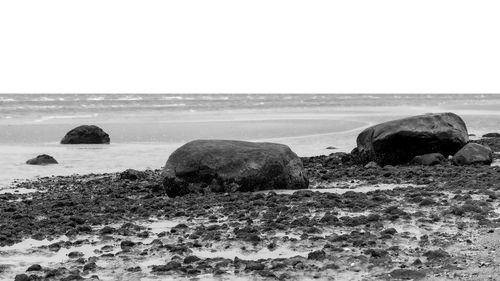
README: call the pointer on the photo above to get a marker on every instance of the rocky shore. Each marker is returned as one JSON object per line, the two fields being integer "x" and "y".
{"x": 355, "y": 222}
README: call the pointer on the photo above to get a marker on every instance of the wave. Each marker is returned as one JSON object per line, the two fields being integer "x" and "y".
{"x": 46, "y": 118}
{"x": 6, "y": 99}
{"x": 129, "y": 98}
{"x": 170, "y": 105}
{"x": 96, "y": 98}
{"x": 44, "y": 99}
{"x": 177, "y": 98}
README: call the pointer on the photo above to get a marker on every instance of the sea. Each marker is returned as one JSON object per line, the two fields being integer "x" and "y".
{"x": 146, "y": 128}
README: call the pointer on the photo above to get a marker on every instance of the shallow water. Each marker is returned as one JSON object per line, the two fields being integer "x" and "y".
{"x": 264, "y": 253}
{"x": 356, "y": 187}
{"x": 19, "y": 190}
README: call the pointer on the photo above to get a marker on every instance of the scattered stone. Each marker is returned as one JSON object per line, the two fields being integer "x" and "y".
{"x": 126, "y": 245}
{"x": 21, "y": 277}
{"x": 191, "y": 259}
{"x": 107, "y": 230}
{"x": 436, "y": 255}
{"x": 254, "y": 265}
{"x": 317, "y": 255}
{"x": 131, "y": 174}
{"x": 90, "y": 266}
{"x": 429, "y": 159}
{"x": 336, "y": 158}
{"x": 407, "y": 274}
{"x": 75, "y": 254}
{"x": 171, "y": 265}
{"x": 372, "y": 165}
{"x": 134, "y": 269}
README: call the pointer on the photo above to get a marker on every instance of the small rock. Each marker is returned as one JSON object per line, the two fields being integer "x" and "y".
{"x": 372, "y": 165}
{"x": 429, "y": 159}
{"x": 171, "y": 265}
{"x": 43, "y": 159}
{"x": 253, "y": 265}
{"x": 317, "y": 255}
{"x": 21, "y": 277}
{"x": 491, "y": 135}
{"x": 437, "y": 255}
{"x": 191, "y": 259}
{"x": 90, "y": 266}
{"x": 126, "y": 245}
{"x": 107, "y": 230}
{"x": 35, "y": 267}
{"x": 75, "y": 254}
{"x": 131, "y": 174}
{"x": 407, "y": 274}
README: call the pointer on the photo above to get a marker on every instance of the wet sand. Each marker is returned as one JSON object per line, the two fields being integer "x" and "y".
{"x": 404, "y": 222}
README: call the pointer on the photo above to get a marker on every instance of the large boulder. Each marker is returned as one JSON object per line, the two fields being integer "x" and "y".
{"x": 429, "y": 159}
{"x": 43, "y": 159}
{"x": 86, "y": 134}
{"x": 398, "y": 141}
{"x": 229, "y": 165}
{"x": 473, "y": 153}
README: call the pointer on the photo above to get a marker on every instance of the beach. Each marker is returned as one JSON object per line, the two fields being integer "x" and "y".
{"x": 88, "y": 218}
{"x": 354, "y": 223}
{"x": 145, "y": 129}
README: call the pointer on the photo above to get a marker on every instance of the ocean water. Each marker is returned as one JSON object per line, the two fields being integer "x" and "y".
{"x": 145, "y": 129}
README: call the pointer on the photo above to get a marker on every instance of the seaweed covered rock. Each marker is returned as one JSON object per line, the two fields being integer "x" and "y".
{"x": 473, "y": 153}
{"x": 429, "y": 159}
{"x": 43, "y": 159}
{"x": 86, "y": 134}
{"x": 398, "y": 141}
{"x": 229, "y": 165}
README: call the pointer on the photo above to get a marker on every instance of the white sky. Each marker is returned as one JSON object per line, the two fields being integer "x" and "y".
{"x": 263, "y": 46}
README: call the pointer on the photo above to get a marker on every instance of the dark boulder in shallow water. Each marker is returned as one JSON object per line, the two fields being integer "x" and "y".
{"x": 429, "y": 159}
{"x": 473, "y": 153}
{"x": 43, "y": 159}
{"x": 398, "y": 141}
{"x": 86, "y": 134}
{"x": 229, "y": 165}
{"x": 491, "y": 135}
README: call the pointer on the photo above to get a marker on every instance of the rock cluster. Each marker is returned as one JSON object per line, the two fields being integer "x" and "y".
{"x": 399, "y": 141}
{"x": 423, "y": 140}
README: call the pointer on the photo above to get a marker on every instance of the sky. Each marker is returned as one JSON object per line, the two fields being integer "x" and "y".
{"x": 255, "y": 46}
